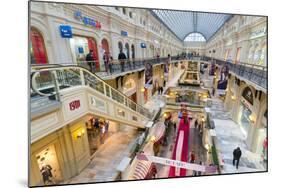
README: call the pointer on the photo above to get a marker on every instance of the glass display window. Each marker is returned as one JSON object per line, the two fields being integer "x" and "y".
{"x": 79, "y": 48}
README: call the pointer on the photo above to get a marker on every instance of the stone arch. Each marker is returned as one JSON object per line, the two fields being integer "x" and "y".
{"x": 40, "y": 26}
{"x": 244, "y": 87}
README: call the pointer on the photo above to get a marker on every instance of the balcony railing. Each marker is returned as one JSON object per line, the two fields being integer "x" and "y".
{"x": 115, "y": 67}
{"x": 251, "y": 72}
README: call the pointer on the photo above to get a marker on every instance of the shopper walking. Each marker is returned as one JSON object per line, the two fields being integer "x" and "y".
{"x": 90, "y": 61}
{"x": 196, "y": 124}
{"x": 192, "y": 160}
{"x": 159, "y": 90}
{"x": 122, "y": 58}
{"x": 192, "y": 157}
{"x": 110, "y": 64}
{"x": 199, "y": 173}
{"x": 236, "y": 156}
{"x": 106, "y": 60}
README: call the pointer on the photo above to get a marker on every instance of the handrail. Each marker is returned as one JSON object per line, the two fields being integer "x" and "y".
{"x": 114, "y": 62}
{"x": 255, "y": 73}
{"x": 126, "y": 101}
{"x": 238, "y": 62}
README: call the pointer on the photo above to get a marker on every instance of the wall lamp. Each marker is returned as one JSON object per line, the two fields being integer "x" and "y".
{"x": 252, "y": 118}
{"x": 233, "y": 97}
{"x": 80, "y": 133}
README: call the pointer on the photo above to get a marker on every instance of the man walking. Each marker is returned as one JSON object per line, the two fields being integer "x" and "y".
{"x": 90, "y": 60}
{"x": 236, "y": 156}
{"x": 122, "y": 58}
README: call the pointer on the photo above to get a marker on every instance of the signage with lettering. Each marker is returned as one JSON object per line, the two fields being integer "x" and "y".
{"x": 74, "y": 105}
{"x": 86, "y": 20}
{"x": 176, "y": 163}
{"x": 80, "y": 50}
{"x": 65, "y": 31}
{"x": 124, "y": 33}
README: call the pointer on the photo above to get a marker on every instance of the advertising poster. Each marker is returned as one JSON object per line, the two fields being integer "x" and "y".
{"x": 148, "y": 76}
{"x": 223, "y": 79}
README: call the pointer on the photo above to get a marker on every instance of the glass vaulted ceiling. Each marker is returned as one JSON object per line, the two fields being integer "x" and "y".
{"x": 183, "y": 23}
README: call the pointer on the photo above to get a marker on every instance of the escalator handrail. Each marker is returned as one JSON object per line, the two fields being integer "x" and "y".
{"x": 59, "y": 67}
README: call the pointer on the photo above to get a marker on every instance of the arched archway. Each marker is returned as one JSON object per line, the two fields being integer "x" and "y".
{"x": 246, "y": 110}
{"x": 105, "y": 46}
{"x": 92, "y": 44}
{"x": 247, "y": 94}
{"x": 38, "y": 51}
{"x": 120, "y": 46}
{"x": 127, "y": 49}
{"x": 133, "y": 51}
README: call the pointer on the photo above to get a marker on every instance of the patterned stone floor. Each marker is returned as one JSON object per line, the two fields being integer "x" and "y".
{"x": 107, "y": 158}
{"x": 230, "y": 136}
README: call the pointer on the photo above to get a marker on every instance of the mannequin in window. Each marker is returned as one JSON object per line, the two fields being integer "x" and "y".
{"x": 47, "y": 175}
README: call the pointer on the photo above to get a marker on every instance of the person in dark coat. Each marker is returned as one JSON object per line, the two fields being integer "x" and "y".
{"x": 196, "y": 124}
{"x": 236, "y": 156}
{"x": 122, "y": 58}
{"x": 90, "y": 60}
{"x": 106, "y": 60}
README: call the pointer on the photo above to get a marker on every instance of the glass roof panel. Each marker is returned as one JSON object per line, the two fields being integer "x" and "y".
{"x": 182, "y": 23}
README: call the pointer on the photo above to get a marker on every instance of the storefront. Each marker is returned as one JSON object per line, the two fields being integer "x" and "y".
{"x": 127, "y": 50}
{"x": 81, "y": 46}
{"x": 245, "y": 111}
{"x": 130, "y": 89}
{"x": 38, "y": 53}
{"x": 98, "y": 131}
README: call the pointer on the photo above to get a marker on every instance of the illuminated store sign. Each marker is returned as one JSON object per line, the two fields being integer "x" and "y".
{"x": 74, "y": 105}
{"x": 65, "y": 31}
{"x": 124, "y": 33}
{"x": 86, "y": 20}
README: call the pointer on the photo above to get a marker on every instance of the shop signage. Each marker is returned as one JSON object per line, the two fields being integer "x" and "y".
{"x": 258, "y": 33}
{"x": 86, "y": 20}
{"x": 124, "y": 33}
{"x": 143, "y": 45}
{"x": 177, "y": 164}
{"x": 80, "y": 50}
{"x": 65, "y": 31}
{"x": 74, "y": 105}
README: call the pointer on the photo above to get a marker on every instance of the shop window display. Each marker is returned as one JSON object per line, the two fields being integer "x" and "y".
{"x": 97, "y": 131}
{"x": 81, "y": 46}
{"x": 49, "y": 166}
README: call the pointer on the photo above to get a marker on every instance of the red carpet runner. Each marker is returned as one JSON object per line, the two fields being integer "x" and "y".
{"x": 180, "y": 151}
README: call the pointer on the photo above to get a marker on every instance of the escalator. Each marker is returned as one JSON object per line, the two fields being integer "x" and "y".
{"x": 51, "y": 86}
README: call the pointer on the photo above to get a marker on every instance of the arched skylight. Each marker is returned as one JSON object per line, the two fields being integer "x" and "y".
{"x": 195, "y": 37}
{"x": 183, "y": 22}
